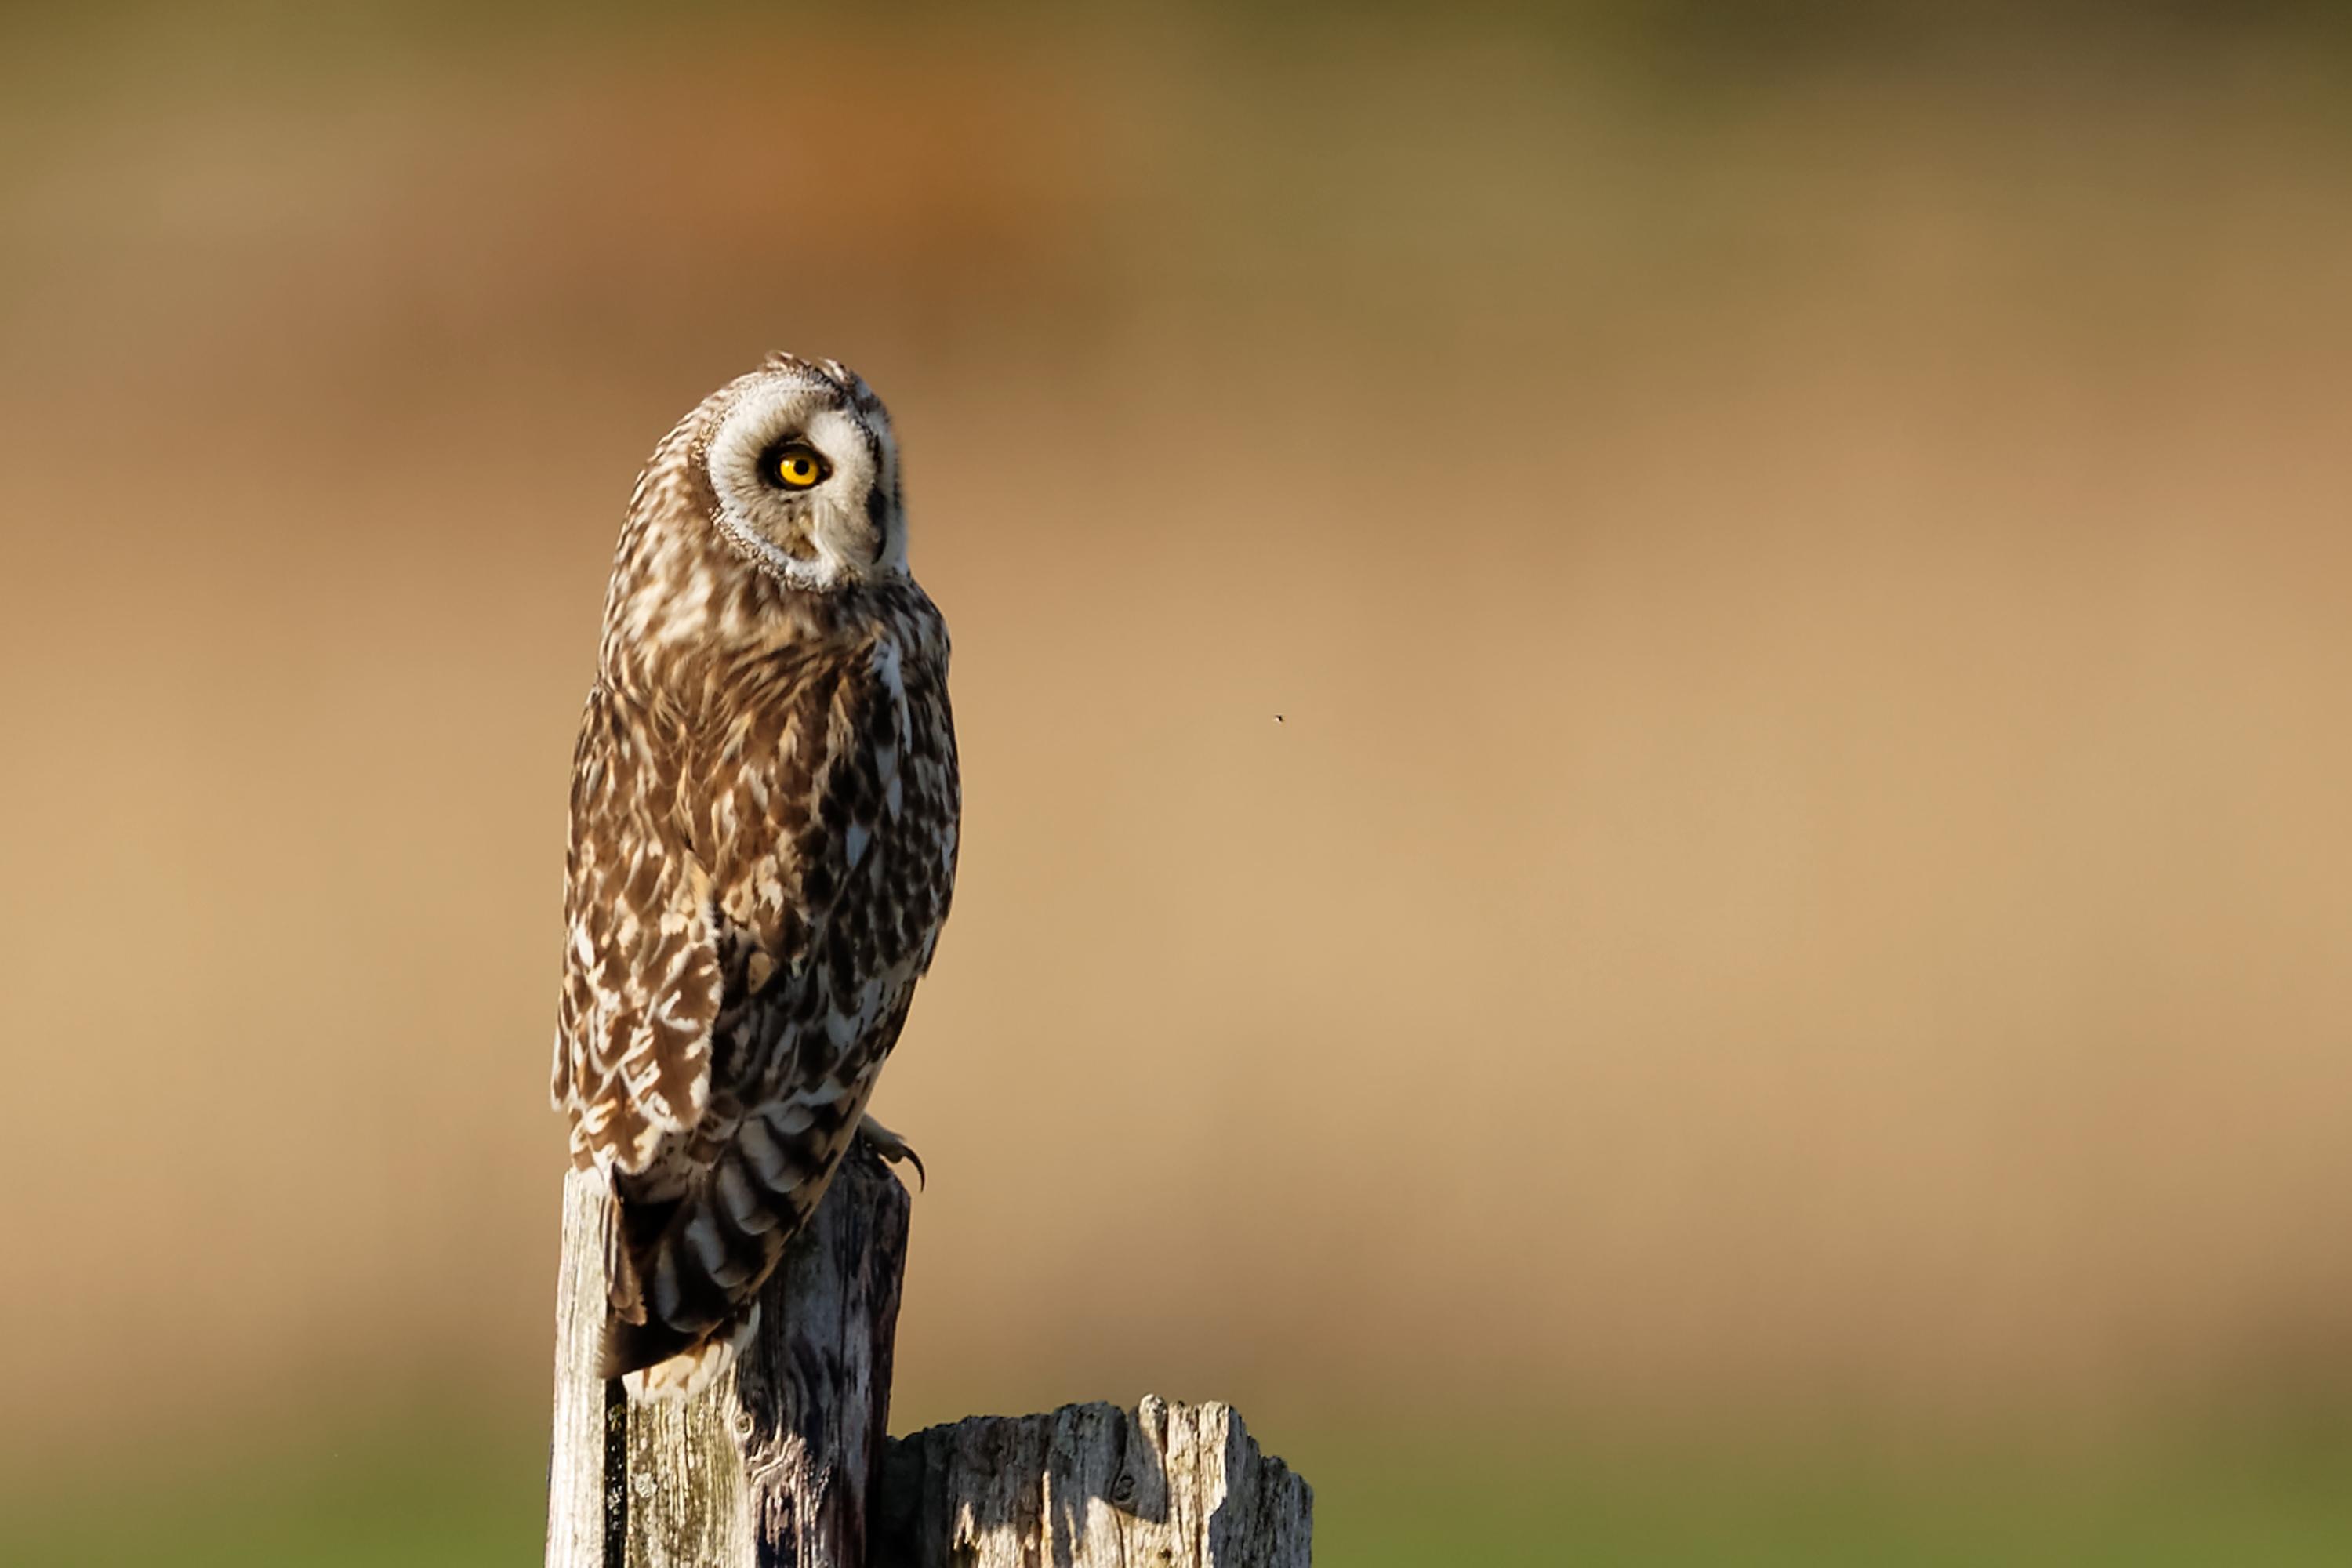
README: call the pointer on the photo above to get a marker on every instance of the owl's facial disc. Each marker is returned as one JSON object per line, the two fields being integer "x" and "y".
{"x": 805, "y": 474}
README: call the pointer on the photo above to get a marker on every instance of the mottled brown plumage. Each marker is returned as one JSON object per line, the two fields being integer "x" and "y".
{"x": 764, "y": 811}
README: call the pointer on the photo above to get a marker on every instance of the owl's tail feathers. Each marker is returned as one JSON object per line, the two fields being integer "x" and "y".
{"x": 683, "y": 1286}
{"x": 678, "y": 1374}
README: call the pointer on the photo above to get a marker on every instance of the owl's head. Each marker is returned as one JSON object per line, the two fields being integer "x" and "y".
{"x": 803, "y": 474}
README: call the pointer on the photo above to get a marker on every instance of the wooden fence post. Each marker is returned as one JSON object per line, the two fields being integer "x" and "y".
{"x": 783, "y": 1462}
{"x": 1091, "y": 1485}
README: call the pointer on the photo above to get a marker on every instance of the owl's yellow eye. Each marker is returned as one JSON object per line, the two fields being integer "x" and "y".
{"x": 798, "y": 467}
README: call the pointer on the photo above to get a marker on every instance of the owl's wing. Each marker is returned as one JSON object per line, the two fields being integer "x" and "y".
{"x": 642, "y": 981}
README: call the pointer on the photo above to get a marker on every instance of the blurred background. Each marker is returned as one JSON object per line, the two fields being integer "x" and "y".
{"x": 1655, "y": 710}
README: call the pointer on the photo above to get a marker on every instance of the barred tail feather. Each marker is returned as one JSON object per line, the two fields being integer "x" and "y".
{"x": 687, "y": 1267}
{"x": 649, "y": 1372}
{"x": 684, "y": 1282}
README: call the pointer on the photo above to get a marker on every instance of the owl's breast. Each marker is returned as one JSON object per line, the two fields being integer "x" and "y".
{"x": 826, "y": 806}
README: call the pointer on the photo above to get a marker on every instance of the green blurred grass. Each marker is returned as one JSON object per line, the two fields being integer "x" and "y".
{"x": 413, "y": 1497}
{"x": 2204, "y": 1504}
{"x": 458, "y": 1497}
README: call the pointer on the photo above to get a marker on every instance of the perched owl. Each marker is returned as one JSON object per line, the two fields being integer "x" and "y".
{"x": 764, "y": 809}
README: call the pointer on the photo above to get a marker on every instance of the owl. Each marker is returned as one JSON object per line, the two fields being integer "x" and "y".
{"x": 764, "y": 814}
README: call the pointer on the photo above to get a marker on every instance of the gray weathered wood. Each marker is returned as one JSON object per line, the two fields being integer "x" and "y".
{"x": 771, "y": 1466}
{"x": 783, "y": 1462}
{"x": 1090, "y": 1486}
{"x": 575, "y": 1456}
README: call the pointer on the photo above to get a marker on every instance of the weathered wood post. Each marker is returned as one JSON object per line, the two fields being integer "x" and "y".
{"x": 785, "y": 1462}
{"x": 773, "y": 1463}
{"x": 1091, "y": 1485}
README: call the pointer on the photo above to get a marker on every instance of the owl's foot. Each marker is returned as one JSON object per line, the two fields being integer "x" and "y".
{"x": 892, "y": 1147}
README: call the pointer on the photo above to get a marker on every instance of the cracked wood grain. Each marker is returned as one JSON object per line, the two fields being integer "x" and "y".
{"x": 1092, "y": 1486}
{"x": 771, "y": 1466}
{"x": 783, "y": 1463}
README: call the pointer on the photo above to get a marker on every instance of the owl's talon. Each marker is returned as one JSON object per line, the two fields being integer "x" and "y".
{"x": 892, "y": 1148}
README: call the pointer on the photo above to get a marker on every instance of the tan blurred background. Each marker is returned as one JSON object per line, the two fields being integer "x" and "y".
{"x": 1655, "y": 711}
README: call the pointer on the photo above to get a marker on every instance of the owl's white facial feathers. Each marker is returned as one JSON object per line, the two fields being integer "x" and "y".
{"x": 714, "y": 532}
{"x": 847, "y": 528}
